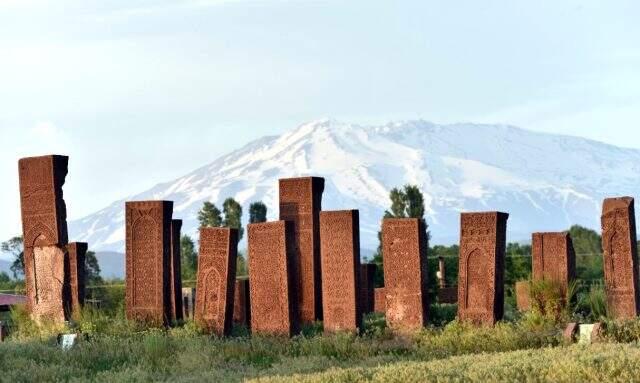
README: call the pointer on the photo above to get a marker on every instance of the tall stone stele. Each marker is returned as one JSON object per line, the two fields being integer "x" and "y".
{"x": 340, "y": 260}
{"x": 300, "y": 203}
{"x": 272, "y": 277}
{"x": 553, "y": 258}
{"x": 76, "y": 258}
{"x": 404, "y": 255}
{"x": 481, "y": 267}
{"x": 620, "y": 257}
{"x": 148, "y": 261}
{"x": 216, "y": 279}
{"x": 44, "y": 228}
{"x": 176, "y": 271}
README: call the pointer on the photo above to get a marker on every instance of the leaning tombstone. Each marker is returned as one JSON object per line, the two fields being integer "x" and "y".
{"x": 340, "y": 265}
{"x": 44, "y": 228}
{"x": 620, "y": 256}
{"x": 481, "y": 267}
{"x": 272, "y": 276}
{"x": 216, "y": 279}
{"x": 148, "y": 256}
{"x": 404, "y": 249}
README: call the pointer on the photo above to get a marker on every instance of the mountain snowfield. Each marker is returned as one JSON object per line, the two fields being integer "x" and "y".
{"x": 546, "y": 182}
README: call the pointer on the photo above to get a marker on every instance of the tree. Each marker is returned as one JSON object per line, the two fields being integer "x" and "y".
{"x": 233, "y": 216}
{"x": 406, "y": 202}
{"x": 189, "y": 257}
{"x": 209, "y": 215}
{"x": 257, "y": 212}
{"x": 588, "y": 247}
{"x": 16, "y": 248}
{"x": 92, "y": 269}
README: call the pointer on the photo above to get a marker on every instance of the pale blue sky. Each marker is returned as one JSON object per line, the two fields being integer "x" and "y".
{"x": 139, "y": 92}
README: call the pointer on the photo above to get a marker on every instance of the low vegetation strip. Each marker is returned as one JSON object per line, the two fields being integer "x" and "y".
{"x": 596, "y": 363}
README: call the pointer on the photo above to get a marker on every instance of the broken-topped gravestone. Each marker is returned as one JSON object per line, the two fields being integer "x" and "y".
{"x": 77, "y": 273}
{"x": 404, "y": 249}
{"x": 300, "y": 203}
{"x": 554, "y": 258}
{"x": 367, "y": 280}
{"x": 175, "y": 272}
{"x": 148, "y": 257}
{"x": 216, "y": 279}
{"x": 379, "y": 300}
{"x": 44, "y": 228}
{"x": 620, "y": 256}
{"x": 272, "y": 276}
{"x": 340, "y": 265}
{"x": 523, "y": 301}
{"x": 481, "y": 267}
{"x": 241, "y": 303}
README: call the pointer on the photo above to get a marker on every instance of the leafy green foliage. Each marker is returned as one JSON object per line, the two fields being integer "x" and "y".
{"x": 189, "y": 256}
{"x": 92, "y": 269}
{"x": 210, "y": 215}
{"x": 257, "y": 212}
{"x": 15, "y": 247}
{"x": 233, "y": 216}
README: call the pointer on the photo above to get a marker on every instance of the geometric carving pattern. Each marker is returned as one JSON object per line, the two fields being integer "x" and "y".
{"x": 216, "y": 279}
{"x": 175, "y": 271}
{"x": 273, "y": 304}
{"x": 553, "y": 258}
{"x": 340, "y": 265}
{"x": 620, "y": 257}
{"x": 404, "y": 249}
{"x": 76, "y": 276}
{"x": 481, "y": 267}
{"x": 148, "y": 256}
{"x": 300, "y": 203}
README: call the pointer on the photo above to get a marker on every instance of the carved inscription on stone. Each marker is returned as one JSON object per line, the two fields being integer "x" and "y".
{"x": 76, "y": 277}
{"x": 175, "y": 271}
{"x": 481, "y": 267}
{"x": 241, "y": 303}
{"x": 273, "y": 304}
{"x": 44, "y": 214}
{"x": 367, "y": 280}
{"x": 553, "y": 258}
{"x": 405, "y": 273}
{"x": 620, "y": 257}
{"x": 300, "y": 203}
{"x": 45, "y": 284}
{"x": 148, "y": 225}
{"x": 216, "y": 279}
{"x": 340, "y": 264}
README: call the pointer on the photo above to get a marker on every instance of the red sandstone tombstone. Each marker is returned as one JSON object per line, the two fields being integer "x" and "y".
{"x": 379, "y": 300}
{"x": 272, "y": 276}
{"x": 367, "y": 280}
{"x": 175, "y": 290}
{"x": 523, "y": 301}
{"x": 481, "y": 267}
{"x": 241, "y": 303}
{"x": 340, "y": 265}
{"x": 405, "y": 273}
{"x": 569, "y": 334}
{"x": 77, "y": 273}
{"x": 44, "y": 228}
{"x": 620, "y": 257}
{"x": 300, "y": 203}
{"x": 148, "y": 257}
{"x": 216, "y": 279}
{"x": 553, "y": 258}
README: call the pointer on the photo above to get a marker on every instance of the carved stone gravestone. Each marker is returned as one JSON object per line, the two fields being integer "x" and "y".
{"x": 620, "y": 255}
{"x": 300, "y": 203}
{"x": 523, "y": 301}
{"x": 241, "y": 303}
{"x": 216, "y": 279}
{"x": 272, "y": 276}
{"x": 77, "y": 273}
{"x": 367, "y": 280}
{"x": 481, "y": 267}
{"x": 175, "y": 271}
{"x": 44, "y": 228}
{"x": 148, "y": 257}
{"x": 340, "y": 265}
{"x": 188, "y": 302}
{"x": 379, "y": 300}
{"x": 553, "y": 258}
{"x": 404, "y": 249}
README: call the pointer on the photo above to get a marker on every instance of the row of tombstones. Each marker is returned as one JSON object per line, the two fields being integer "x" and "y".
{"x": 302, "y": 268}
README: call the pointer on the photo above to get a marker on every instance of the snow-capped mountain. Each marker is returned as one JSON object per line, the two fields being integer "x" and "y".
{"x": 546, "y": 182}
